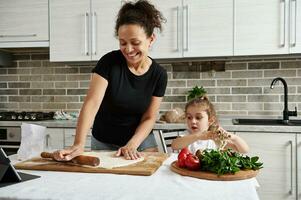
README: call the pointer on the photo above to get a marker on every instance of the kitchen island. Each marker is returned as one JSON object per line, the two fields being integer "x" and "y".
{"x": 163, "y": 184}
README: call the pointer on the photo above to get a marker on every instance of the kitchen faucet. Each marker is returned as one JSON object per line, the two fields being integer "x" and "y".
{"x": 286, "y": 112}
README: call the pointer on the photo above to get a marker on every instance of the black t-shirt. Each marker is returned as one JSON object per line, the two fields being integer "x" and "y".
{"x": 126, "y": 99}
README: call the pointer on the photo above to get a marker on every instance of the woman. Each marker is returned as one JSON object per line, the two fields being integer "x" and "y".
{"x": 125, "y": 91}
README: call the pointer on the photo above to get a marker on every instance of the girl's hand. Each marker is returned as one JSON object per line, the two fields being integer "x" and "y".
{"x": 218, "y": 135}
{"x": 69, "y": 153}
{"x": 210, "y": 135}
{"x": 129, "y": 152}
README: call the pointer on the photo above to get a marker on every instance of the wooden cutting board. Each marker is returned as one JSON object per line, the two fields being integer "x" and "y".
{"x": 152, "y": 161}
{"x": 240, "y": 175}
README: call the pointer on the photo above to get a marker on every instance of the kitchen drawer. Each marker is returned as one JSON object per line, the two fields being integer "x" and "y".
{"x": 54, "y": 138}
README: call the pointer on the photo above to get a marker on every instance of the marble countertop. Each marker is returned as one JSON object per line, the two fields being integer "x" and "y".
{"x": 226, "y": 123}
{"x": 163, "y": 184}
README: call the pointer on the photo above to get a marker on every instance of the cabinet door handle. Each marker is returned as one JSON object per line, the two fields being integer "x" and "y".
{"x": 291, "y": 148}
{"x": 282, "y": 16}
{"x": 25, "y": 35}
{"x": 297, "y": 168}
{"x": 177, "y": 49}
{"x": 293, "y": 22}
{"x": 88, "y": 136}
{"x": 94, "y": 26}
{"x": 47, "y": 140}
{"x": 186, "y": 28}
{"x": 86, "y": 33}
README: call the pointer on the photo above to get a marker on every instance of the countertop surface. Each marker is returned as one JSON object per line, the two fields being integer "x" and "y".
{"x": 163, "y": 184}
{"x": 226, "y": 124}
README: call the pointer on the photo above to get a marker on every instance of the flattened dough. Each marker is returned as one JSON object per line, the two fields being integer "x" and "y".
{"x": 108, "y": 159}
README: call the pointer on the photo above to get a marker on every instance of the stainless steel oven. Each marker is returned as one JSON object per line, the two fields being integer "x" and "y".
{"x": 10, "y": 139}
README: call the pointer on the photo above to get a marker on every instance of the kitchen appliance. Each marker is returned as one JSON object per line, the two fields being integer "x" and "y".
{"x": 10, "y": 139}
{"x": 26, "y": 116}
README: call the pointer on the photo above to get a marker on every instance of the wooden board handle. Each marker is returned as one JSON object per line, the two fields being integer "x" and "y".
{"x": 81, "y": 160}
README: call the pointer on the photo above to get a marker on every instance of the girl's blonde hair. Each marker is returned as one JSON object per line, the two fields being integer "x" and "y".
{"x": 204, "y": 103}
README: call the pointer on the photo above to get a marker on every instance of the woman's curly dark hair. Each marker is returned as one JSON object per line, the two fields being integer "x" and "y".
{"x": 141, "y": 13}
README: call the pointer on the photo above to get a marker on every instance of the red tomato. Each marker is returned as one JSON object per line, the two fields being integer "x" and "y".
{"x": 192, "y": 162}
{"x": 181, "y": 162}
{"x": 182, "y": 157}
{"x": 185, "y": 150}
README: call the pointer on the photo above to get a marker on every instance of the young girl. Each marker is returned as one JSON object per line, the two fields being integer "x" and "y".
{"x": 203, "y": 131}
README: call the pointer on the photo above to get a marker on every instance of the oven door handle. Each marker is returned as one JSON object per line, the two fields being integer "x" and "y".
{"x": 10, "y": 146}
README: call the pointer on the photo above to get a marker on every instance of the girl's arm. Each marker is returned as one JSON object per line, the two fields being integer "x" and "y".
{"x": 184, "y": 141}
{"x": 237, "y": 143}
{"x": 145, "y": 127}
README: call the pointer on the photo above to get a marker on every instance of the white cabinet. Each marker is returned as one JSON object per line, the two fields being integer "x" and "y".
{"x": 54, "y": 138}
{"x": 60, "y": 138}
{"x": 278, "y": 152}
{"x": 298, "y": 166}
{"x": 267, "y": 27}
{"x": 169, "y": 43}
{"x": 82, "y": 30}
{"x": 24, "y": 23}
{"x": 69, "y": 135}
{"x": 195, "y": 29}
{"x": 208, "y": 28}
{"x": 295, "y": 27}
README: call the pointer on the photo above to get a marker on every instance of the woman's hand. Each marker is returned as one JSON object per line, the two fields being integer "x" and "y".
{"x": 129, "y": 152}
{"x": 69, "y": 153}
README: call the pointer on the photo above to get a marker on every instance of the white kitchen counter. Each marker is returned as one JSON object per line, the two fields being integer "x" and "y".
{"x": 163, "y": 184}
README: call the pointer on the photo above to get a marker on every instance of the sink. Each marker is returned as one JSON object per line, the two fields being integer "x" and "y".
{"x": 266, "y": 122}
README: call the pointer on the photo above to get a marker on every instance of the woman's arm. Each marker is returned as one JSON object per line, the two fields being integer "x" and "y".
{"x": 97, "y": 88}
{"x": 144, "y": 128}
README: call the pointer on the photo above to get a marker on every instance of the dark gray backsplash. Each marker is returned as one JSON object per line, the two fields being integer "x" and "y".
{"x": 33, "y": 83}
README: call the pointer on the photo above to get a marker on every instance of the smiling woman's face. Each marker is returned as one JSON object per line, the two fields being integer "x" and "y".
{"x": 134, "y": 43}
{"x": 197, "y": 119}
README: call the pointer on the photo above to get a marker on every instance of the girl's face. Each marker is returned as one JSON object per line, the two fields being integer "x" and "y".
{"x": 134, "y": 43}
{"x": 197, "y": 119}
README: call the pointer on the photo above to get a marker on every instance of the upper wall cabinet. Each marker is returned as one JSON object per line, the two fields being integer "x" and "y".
{"x": 195, "y": 29}
{"x": 295, "y": 26}
{"x": 82, "y": 30}
{"x": 24, "y": 23}
{"x": 267, "y": 27}
{"x": 168, "y": 44}
{"x": 208, "y": 28}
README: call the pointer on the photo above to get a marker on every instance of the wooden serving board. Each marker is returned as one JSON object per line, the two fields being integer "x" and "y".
{"x": 240, "y": 175}
{"x": 152, "y": 161}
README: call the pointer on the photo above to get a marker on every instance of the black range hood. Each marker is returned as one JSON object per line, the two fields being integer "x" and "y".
{"x": 6, "y": 59}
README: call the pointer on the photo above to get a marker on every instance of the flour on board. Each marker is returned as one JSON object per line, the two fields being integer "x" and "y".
{"x": 108, "y": 159}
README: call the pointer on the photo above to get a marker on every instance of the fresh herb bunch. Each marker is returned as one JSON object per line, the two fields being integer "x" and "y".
{"x": 227, "y": 162}
{"x": 196, "y": 92}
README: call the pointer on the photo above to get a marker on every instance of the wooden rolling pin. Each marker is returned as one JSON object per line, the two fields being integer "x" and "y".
{"x": 81, "y": 160}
